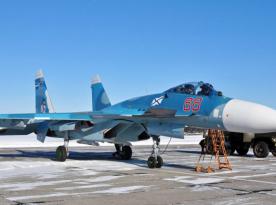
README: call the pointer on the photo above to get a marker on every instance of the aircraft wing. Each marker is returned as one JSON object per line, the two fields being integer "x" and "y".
{"x": 23, "y": 124}
{"x": 123, "y": 127}
{"x": 20, "y": 121}
{"x": 6, "y": 119}
{"x": 46, "y": 117}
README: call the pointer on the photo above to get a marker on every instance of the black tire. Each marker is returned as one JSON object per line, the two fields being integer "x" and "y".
{"x": 61, "y": 154}
{"x": 242, "y": 150}
{"x": 126, "y": 153}
{"x": 160, "y": 162}
{"x": 152, "y": 162}
{"x": 261, "y": 149}
{"x": 273, "y": 152}
{"x": 203, "y": 146}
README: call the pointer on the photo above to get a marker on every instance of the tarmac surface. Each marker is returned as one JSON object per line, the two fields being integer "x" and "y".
{"x": 92, "y": 176}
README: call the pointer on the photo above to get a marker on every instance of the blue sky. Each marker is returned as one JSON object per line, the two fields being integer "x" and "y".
{"x": 137, "y": 46}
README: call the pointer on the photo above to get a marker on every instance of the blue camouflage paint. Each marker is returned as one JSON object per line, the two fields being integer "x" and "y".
{"x": 40, "y": 96}
{"x": 99, "y": 97}
{"x": 145, "y": 111}
{"x": 209, "y": 115}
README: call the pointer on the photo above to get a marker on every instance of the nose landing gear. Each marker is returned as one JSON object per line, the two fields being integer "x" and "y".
{"x": 155, "y": 160}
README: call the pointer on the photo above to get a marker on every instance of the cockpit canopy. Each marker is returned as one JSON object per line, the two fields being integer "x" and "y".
{"x": 196, "y": 88}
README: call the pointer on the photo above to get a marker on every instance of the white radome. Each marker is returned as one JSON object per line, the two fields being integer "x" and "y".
{"x": 247, "y": 117}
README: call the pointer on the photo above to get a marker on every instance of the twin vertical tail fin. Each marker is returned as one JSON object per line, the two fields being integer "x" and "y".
{"x": 100, "y": 99}
{"x": 43, "y": 102}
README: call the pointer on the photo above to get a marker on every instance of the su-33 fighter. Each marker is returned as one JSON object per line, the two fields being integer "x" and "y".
{"x": 167, "y": 113}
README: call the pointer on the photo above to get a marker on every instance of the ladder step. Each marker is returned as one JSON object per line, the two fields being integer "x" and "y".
{"x": 218, "y": 142}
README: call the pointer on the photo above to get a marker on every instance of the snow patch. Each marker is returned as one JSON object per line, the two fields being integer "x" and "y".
{"x": 20, "y": 198}
{"x": 195, "y": 181}
{"x": 83, "y": 187}
{"x": 199, "y": 188}
{"x": 117, "y": 190}
{"x": 29, "y": 186}
{"x": 102, "y": 179}
{"x": 121, "y": 190}
{"x": 50, "y": 169}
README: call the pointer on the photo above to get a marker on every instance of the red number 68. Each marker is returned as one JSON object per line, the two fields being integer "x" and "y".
{"x": 193, "y": 104}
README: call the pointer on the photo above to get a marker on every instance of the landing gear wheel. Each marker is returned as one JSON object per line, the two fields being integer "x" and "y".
{"x": 273, "y": 152}
{"x": 159, "y": 163}
{"x": 242, "y": 150}
{"x": 155, "y": 160}
{"x": 122, "y": 153}
{"x": 152, "y": 162}
{"x": 203, "y": 146}
{"x": 126, "y": 153}
{"x": 61, "y": 154}
{"x": 261, "y": 149}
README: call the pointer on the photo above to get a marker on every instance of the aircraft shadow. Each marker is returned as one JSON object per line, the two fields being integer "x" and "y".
{"x": 189, "y": 151}
{"x": 52, "y": 154}
{"x": 80, "y": 156}
{"x": 180, "y": 166}
{"x": 85, "y": 156}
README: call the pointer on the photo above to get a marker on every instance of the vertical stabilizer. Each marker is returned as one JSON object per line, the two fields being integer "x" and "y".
{"x": 43, "y": 101}
{"x": 43, "y": 104}
{"x": 100, "y": 99}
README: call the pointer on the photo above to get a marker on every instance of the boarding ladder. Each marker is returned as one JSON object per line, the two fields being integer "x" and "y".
{"x": 219, "y": 151}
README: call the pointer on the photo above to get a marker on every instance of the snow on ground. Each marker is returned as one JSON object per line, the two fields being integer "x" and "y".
{"x": 30, "y": 141}
{"x": 47, "y": 170}
{"x": 195, "y": 181}
{"x": 54, "y": 179}
{"x": 120, "y": 190}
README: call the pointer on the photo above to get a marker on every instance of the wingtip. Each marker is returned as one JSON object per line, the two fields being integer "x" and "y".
{"x": 96, "y": 79}
{"x": 39, "y": 74}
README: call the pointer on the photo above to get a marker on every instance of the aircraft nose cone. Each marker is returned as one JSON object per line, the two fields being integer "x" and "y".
{"x": 246, "y": 117}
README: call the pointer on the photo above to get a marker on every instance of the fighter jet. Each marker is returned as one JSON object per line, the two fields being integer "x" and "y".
{"x": 195, "y": 104}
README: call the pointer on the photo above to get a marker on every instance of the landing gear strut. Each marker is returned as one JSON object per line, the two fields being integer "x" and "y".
{"x": 155, "y": 160}
{"x": 122, "y": 152}
{"x": 62, "y": 152}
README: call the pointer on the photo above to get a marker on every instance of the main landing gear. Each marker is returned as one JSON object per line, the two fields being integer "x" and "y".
{"x": 62, "y": 152}
{"x": 122, "y": 152}
{"x": 155, "y": 160}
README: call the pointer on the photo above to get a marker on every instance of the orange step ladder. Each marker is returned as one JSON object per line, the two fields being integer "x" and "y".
{"x": 219, "y": 151}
